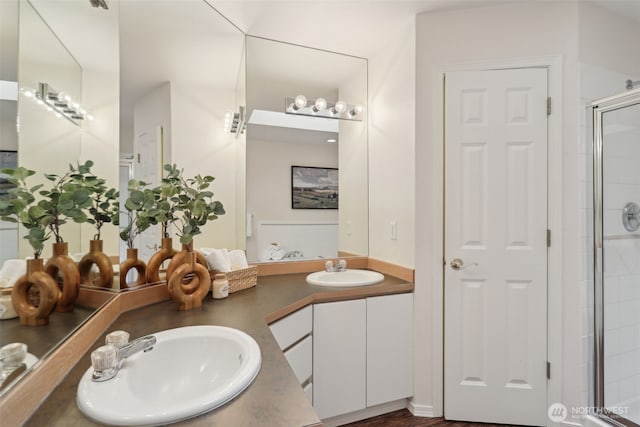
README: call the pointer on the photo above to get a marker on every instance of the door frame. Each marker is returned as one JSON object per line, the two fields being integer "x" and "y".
{"x": 554, "y": 218}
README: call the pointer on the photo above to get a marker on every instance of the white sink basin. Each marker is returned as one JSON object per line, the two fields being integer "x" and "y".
{"x": 189, "y": 371}
{"x": 345, "y": 278}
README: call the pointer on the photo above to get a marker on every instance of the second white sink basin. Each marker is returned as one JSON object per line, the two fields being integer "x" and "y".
{"x": 345, "y": 278}
{"x": 189, "y": 371}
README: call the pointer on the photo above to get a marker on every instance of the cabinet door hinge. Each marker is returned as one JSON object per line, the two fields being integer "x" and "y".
{"x": 139, "y": 157}
{"x": 548, "y": 238}
{"x": 548, "y": 106}
{"x": 548, "y": 370}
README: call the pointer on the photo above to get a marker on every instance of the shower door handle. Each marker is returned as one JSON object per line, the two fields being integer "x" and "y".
{"x": 458, "y": 264}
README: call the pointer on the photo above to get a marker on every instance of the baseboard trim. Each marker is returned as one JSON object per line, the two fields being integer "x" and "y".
{"x": 420, "y": 410}
{"x": 363, "y": 414}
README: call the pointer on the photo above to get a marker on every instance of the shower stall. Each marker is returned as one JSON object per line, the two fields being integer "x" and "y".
{"x": 616, "y": 239}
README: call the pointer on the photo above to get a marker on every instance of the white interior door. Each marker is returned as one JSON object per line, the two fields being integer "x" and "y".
{"x": 148, "y": 168}
{"x": 496, "y": 246}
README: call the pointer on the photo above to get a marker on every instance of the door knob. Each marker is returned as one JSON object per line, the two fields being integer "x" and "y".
{"x": 458, "y": 264}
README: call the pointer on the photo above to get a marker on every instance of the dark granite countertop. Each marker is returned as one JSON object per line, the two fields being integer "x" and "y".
{"x": 275, "y": 398}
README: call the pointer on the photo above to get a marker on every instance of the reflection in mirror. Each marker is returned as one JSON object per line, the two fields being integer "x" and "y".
{"x": 277, "y": 228}
{"x": 47, "y": 142}
{"x": 49, "y": 52}
{"x": 182, "y": 70}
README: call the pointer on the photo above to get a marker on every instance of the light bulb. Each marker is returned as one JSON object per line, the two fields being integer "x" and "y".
{"x": 356, "y": 110}
{"x": 300, "y": 102}
{"x": 319, "y": 105}
{"x": 29, "y": 93}
{"x": 90, "y": 117}
{"x": 340, "y": 107}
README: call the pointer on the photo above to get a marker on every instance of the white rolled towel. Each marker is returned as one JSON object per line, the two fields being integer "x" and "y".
{"x": 238, "y": 259}
{"x": 11, "y": 271}
{"x": 218, "y": 259}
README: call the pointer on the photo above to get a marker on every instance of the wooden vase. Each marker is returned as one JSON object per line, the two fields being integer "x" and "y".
{"x": 47, "y": 290}
{"x": 181, "y": 258}
{"x": 155, "y": 262}
{"x": 188, "y": 301}
{"x": 96, "y": 256}
{"x": 132, "y": 262}
{"x": 63, "y": 266}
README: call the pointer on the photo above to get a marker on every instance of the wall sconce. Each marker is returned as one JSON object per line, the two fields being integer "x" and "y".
{"x": 321, "y": 108}
{"x": 235, "y": 122}
{"x": 59, "y": 103}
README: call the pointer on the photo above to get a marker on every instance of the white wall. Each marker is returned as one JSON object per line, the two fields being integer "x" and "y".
{"x": 199, "y": 145}
{"x": 100, "y": 143}
{"x": 392, "y": 144}
{"x": 497, "y": 33}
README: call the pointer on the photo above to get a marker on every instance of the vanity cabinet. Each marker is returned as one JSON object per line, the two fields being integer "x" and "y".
{"x": 351, "y": 355}
{"x": 293, "y": 335}
{"x": 339, "y": 357}
{"x": 362, "y": 353}
{"x": 389, "y": 348}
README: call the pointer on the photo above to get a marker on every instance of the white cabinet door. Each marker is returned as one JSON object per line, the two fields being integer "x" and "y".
{"x": 339, "y": 357}
{"x": 389, "y": 348}
{"x": 292, "y": 328}
{"x": 299, "y": 358}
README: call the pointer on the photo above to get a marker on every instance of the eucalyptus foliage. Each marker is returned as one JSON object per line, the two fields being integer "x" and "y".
{"x": 66, "y": 200}
{"x": 191, "y": 203}
{"x": 104, "y": 207}
{"x": 140, "y": 209}
{"x": 19, "y": 205}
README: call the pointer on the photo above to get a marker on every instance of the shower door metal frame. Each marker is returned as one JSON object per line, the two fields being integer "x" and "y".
{"x": 598, "y": 108}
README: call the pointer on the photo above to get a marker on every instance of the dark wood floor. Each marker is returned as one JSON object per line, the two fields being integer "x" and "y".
{"x": 403, "y": 418}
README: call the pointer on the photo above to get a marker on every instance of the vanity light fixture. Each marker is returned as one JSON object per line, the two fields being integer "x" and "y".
{"x": 321, "y": 108}
{"x": 59, "y": 103}
{"x": 235, "y": 122}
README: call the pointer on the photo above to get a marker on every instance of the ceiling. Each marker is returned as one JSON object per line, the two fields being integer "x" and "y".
{"x": 355, "y": 27}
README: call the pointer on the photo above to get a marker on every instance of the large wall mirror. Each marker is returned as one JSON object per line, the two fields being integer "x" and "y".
{"x": 289, "y": 152}
{"x": 164, "y": 76}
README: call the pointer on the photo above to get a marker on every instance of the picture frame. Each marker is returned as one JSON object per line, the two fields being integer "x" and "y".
{"x": 8, "y": 159}
{"x": 314, "y": 187}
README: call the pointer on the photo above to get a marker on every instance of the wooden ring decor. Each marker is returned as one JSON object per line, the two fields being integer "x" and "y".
{"x": 153, "y": 266}
{"x": 48, "y": 291}
{"x": 96, "y": 257}
{"x": 189, "y": 285}
{"x": 132, "y": 262}
{"x": 61, "y": 264}
{"x": 194, "y": 299}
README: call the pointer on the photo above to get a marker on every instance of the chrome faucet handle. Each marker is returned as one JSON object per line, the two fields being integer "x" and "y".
{"x": 328, "y": 266}
{"x": 104, "y": 361}
{"x": 117, "y": 338}
{"x": 342, "y": 265}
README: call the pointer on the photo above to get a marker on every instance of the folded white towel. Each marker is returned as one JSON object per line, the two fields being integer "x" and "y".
{"x": 218, "y": 259}
{"x": 205, "y": 251}
{"x": 11, "y": 271}
{"x": 238, "y": 259}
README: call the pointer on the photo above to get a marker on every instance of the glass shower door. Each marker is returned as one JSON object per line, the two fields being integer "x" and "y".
{"x": 619, "y": 290}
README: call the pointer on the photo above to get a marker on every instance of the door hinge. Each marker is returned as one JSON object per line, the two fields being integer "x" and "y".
{"x": 548, "y": 238}
{"x": 139, "y": 157}
{"x": 548, "y": 370}
{"x": 548, "y": 106}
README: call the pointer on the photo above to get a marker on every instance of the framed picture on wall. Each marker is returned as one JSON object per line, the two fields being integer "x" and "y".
{"x": 314, "y": 187}
{"x": 8, "y": 159}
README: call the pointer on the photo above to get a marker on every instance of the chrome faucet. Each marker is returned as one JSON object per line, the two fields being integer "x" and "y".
{"x": 108, "y": 359}
{"x": 341, "y": 265}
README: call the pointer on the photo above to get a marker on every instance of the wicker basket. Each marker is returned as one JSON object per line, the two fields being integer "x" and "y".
{"x": 240, "y": 279}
